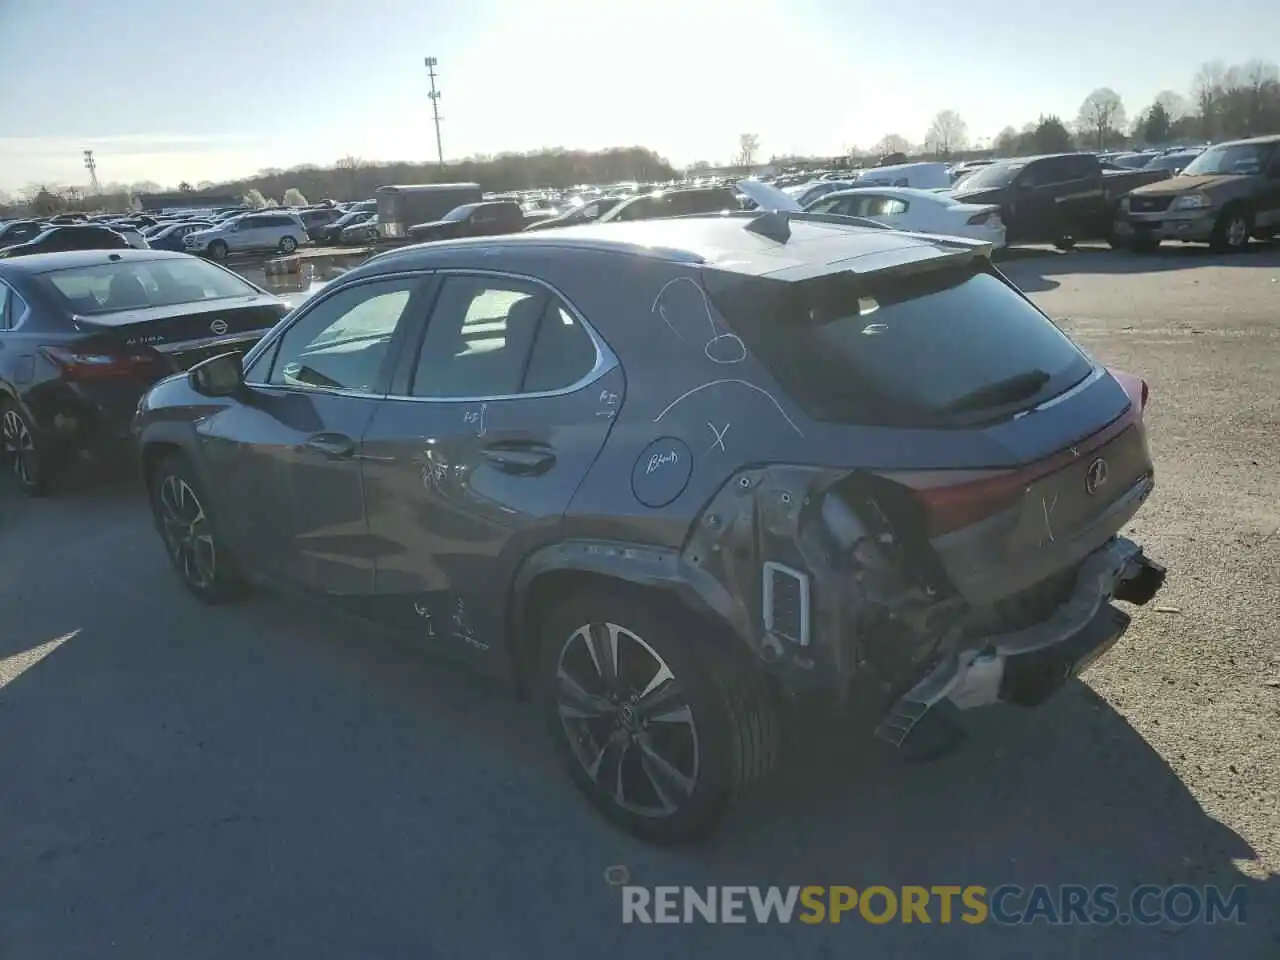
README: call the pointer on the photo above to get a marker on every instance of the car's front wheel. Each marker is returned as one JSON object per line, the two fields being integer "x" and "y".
{"x": 187, "y": 526}
{"x": 656, "y": 723}
{"x": 1231, "y": 231}
{"x": 218, "y": 250}
{"x": 288, "y": 245}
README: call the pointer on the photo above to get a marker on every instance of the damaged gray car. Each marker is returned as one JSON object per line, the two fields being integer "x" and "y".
{"x": 669, "y": 477}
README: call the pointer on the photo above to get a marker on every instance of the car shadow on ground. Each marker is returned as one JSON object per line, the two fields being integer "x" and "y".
{"x": 1034, "y": 269}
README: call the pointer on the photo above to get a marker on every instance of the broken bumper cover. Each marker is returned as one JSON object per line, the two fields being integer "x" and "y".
{"x": 1026, "y": 666}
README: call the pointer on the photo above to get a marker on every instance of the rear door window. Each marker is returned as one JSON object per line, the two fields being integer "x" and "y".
{"x": 948, "y": 347}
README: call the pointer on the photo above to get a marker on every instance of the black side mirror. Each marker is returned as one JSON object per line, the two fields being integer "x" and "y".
{"x": 220, "y": 376}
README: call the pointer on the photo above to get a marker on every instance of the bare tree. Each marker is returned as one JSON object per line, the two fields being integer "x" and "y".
{"x": 892, "y": 143}
{"x": 255, "y": 199}
{"x": 1207, "y": 88}
{"x": 1101, "y": 112}
{"x": 1006, "y": 142}
{"x": 1174, "y": 104}
{"x": 185, "y": 187}
{"x": 349, "y": 167}
{"x": 748, "y": 147}
{"x": 293, "y": 198}
{"x": 947, "y": 132}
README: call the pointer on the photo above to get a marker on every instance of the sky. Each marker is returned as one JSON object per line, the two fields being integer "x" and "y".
{"x": 166, "y": 91}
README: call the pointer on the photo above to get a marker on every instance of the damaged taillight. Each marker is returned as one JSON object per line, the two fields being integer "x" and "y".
{"x": 952, "y": 500}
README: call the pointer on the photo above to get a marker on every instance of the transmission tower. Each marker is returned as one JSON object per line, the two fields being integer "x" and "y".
{"x": 91, "y": 165}
{"x": 431, "y": 64}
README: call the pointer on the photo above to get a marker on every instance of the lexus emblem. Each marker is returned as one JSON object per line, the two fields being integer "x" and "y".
{"x": 1095, "y": 477}
{"x": 219, "y": 327}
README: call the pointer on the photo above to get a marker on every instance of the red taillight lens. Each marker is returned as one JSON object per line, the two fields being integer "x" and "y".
{"x": 949, "y": 505}
{"x": 1146, "y": 392}
{"x": 79, "y": 364}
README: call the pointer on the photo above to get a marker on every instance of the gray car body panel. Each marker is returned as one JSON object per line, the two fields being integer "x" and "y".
{"x": 687, "y": 478}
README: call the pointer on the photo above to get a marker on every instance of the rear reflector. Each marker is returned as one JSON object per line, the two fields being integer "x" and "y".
{"x": 79, "y": 365}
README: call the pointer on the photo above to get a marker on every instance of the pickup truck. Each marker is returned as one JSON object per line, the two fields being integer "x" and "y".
{"x": 1058, "y": 199}
{"x": 485, "y": 219}
{"x": 1226, "y": 195}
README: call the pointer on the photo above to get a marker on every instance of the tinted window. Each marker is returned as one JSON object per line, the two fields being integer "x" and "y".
{"x": 341, "y": 343}
{"x": 133, "y": 284}
{"x": 910, "y": 352}
{"x": 563, "y": 352}
{"x": 12, "y": 307}
{"x": 491, "y": 337}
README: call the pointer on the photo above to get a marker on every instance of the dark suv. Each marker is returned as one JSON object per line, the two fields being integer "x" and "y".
{"x": 670, "y": 476}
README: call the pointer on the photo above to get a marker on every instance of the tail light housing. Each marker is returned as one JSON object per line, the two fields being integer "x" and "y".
{"x": 79, "y": 364}
{"x": 990, "y": 217}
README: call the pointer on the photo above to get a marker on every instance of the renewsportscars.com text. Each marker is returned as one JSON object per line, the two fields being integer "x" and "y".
{"x": 1007, "y": 904}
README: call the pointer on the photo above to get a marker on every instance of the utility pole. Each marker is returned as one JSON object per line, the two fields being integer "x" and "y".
{"x": 431, "y": 63}
{"x": 92, "y": 166}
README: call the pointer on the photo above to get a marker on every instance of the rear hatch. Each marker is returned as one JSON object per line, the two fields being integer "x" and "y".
{"x": 991, "y": 444}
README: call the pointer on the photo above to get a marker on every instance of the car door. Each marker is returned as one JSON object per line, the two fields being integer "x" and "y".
{"x": 1033, "y": 212}
{"x": 1268, "y": 214}
{"x": 470, "y": 464}
{"x": 243, "y": 234}
{"x": 285, "y": 461}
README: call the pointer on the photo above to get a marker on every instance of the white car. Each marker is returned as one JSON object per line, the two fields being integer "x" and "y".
{"x": 280, "y": 230}
{"x": 919, "y": 211}
{"x": 902, "y": 208}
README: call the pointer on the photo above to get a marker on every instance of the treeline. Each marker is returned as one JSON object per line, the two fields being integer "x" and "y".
{"x": 1224, "y": 103}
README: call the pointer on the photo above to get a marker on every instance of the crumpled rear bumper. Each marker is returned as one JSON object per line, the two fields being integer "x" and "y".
{"x": 1026, "y": 666}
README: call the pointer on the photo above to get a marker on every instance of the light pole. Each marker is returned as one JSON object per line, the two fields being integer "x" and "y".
{"x": 431, "y": 64}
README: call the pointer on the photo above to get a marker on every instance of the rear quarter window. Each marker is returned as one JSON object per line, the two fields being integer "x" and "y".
{"x": 913, "y": 351}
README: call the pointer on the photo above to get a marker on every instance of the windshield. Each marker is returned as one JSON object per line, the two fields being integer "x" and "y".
{"x": 1172, "y": 161}
{"x": 993, "y": 176}
{"x": 150, "y": 283}
{"x": 461, "y": 213}
{"x": 1238, "y": 158}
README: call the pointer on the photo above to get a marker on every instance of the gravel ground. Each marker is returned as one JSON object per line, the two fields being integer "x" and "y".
{"x": 267, "y": 781}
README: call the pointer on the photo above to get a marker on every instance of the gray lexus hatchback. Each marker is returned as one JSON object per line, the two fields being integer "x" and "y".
{"x": 670, "y": 477}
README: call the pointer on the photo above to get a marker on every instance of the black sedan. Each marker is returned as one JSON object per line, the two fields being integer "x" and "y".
{"x": 83, "y": 335}
{"x": 64, "y": 239}
{"x": 20, "y": 231}
{"x": 170, "y": 236}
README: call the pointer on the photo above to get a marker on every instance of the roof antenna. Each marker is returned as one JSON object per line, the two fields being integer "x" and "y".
{"x": 773, "y": 225}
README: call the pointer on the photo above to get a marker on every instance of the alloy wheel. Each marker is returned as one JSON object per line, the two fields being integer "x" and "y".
{"x": 187, "y": 533}
{"x": 627, "y": 721}
{"x": 1237, "y": 231}
{"x": 19, "y": 448}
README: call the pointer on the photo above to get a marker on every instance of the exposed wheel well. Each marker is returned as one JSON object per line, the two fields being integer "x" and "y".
{"x": 153, "y": 454}
{"x": 529, "y": 610}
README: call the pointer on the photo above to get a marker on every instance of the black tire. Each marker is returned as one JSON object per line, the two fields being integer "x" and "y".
{"x": 1144, "y": 245}
{"x": 1231, "y": 231}
{"x": 218, "y": 250}
{"x": 197, "y": 551}
{"x": 23, "y": 453}
{"x": 1065, "y": 243}
{"x": 288, "y": 245}
{"x": 1117, "y": 242}
{"x": 719, "y": 731}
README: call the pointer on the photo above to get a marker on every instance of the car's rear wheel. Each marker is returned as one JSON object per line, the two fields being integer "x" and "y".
{"x": 23, "y": 456}
{"x": 656, "y": 728}
{"x": 288, "y": 245}
{"x": 1065, "y": 243}
{"x": 189, "y": 530}
{"x": 1144, "y": 244}
{"x": 1231, "y": 231}
{"x": 218, "y": 250}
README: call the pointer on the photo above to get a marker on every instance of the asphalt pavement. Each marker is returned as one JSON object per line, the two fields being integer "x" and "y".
{"x": 267, "y": 781}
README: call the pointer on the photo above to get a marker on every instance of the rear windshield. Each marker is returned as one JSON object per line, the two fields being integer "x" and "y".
{"x": 994, "y": 176}
{"x": 942, "y": 348}
{"x": 138, "y": 284}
